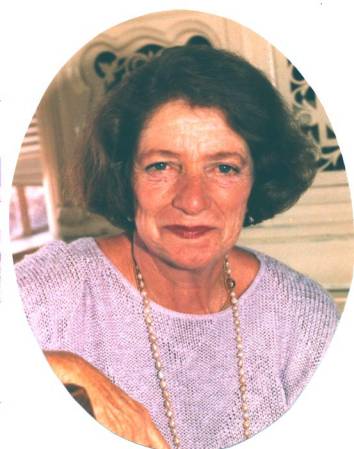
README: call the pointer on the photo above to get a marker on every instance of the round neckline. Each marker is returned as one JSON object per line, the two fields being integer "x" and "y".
{"x": 164, "y": 310}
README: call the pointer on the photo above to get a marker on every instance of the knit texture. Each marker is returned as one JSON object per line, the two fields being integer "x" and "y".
{"x": 76, "y": 300}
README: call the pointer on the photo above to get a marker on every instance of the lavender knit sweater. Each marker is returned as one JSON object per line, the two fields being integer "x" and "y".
{"x": 76, "y": 300}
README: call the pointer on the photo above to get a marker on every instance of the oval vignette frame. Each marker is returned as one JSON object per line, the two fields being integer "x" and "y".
{"x": 337, "y": 331}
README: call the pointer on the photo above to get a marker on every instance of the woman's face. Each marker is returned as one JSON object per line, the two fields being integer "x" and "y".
{"x": 192, "y": 180}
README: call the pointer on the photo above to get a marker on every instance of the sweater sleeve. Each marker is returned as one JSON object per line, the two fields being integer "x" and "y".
{"x": 309, "y": 327}
{"x": 49, "y": 284}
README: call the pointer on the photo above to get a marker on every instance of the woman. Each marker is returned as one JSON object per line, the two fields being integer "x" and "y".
{"x": 204, "y": 343}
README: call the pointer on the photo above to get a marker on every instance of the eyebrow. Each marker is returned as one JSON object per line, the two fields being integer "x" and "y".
{"x": 153, "y": 152}
{"x": 226, "y": 155}
{"x": 213, "y": 156}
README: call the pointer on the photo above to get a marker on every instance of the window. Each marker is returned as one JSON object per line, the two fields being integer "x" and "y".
{"x": 27, "y": 211}
{"x": 28, "y": 216}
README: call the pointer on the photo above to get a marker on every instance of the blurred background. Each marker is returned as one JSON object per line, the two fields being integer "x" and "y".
{"x": 315, "y": 236}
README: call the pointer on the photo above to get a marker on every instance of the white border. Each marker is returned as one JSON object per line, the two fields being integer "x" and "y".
{"x": 37, "y": 38}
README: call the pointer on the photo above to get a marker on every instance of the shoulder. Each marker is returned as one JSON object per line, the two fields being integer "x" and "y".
{"x": 302, "y": 306}
{"x": 297, "y": 289}
{"x": 56, "y": 273}
{"x": 307, "y": 314}
{"x": 51, "y": 285}
{"x": 289, "y": 285}
{"x": 57, "y": 260}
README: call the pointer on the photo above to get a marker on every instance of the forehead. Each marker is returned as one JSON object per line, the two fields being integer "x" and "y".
{"x": 177, "y": 122}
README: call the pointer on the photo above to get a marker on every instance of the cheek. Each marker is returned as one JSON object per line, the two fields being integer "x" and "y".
{"x": 152, "y": 186}
{"x": 152, "y": 194}
{"x": 234, "y": 197}
{"x": 234, "y": 206}
{"x": 145, "y": 206}
{"x": 146, "y": 221}
{"x": 150, "y": 200}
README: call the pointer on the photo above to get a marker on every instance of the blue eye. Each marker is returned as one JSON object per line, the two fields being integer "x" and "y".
{"x": 159, "y": 166}
{"x": 227, "y": 169}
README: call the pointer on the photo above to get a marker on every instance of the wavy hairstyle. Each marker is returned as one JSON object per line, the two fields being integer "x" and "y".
{"x": 284, "y": 160}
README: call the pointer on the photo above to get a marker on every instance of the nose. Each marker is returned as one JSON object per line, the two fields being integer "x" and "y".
{"x": 191, "y": 195}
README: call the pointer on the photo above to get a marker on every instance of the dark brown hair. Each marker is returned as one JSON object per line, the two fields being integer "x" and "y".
{"x": 284, "y": 160}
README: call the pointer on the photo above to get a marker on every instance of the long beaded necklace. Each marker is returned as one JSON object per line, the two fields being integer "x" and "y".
{"x": 230, "y": 286}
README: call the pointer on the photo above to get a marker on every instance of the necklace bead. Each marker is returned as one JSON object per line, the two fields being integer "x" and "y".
{"x": 165, "y": 394}
{"x": 230, "y": 285}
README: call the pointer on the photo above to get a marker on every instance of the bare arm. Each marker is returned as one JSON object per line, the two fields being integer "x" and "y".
{"x": 112, "y": 407}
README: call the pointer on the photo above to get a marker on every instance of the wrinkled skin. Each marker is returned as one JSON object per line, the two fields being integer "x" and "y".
{"x": 112, "y": 407}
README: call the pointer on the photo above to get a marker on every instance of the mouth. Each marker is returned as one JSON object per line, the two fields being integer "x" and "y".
{"x": 189, "y": 232}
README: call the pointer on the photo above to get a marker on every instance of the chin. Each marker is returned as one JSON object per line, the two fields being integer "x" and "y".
{"x": 189, "y": 258}
{"x": 184, "y": 253}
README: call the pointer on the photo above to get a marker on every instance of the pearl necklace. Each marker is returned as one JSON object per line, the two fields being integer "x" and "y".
{"x": 230, "y": 286}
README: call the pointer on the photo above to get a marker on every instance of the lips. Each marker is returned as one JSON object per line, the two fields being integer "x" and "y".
{"x": 189, "y": 232}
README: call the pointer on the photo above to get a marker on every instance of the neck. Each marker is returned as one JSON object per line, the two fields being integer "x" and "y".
{"x": 196, "y": 291}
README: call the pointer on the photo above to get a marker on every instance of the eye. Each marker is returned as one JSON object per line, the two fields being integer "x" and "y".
{"x": 157, "y": 166}
{"x": 228, "y": 169}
